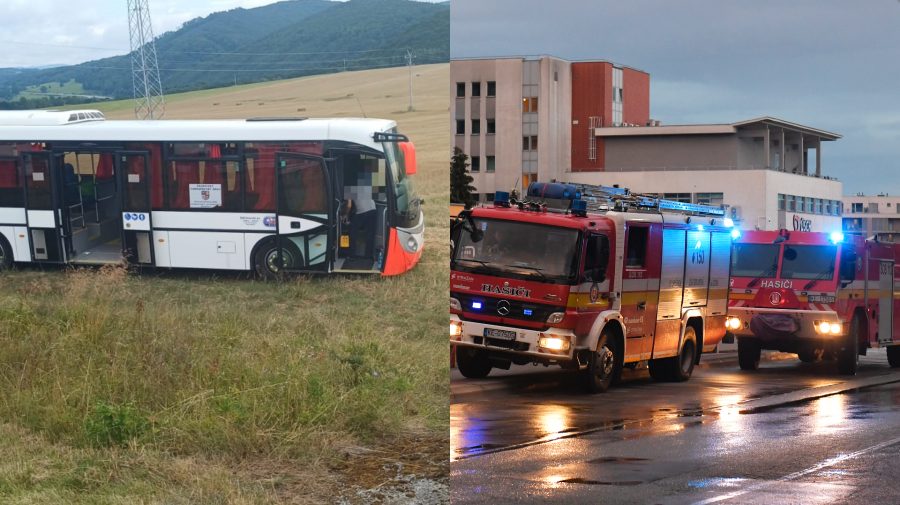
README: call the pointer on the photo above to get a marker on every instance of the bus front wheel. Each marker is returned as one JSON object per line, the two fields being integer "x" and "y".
{"x": 6, "y": 257}
{"x": 269, "y": 264}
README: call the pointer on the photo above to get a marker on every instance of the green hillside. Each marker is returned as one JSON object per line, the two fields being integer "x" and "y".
{"x": 277, "y": 41}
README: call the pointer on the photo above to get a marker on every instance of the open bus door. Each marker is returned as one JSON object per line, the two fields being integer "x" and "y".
{"x": 44, "y": 204}
{"x": 305, "y": 215}
{"x": 137, "y": 239}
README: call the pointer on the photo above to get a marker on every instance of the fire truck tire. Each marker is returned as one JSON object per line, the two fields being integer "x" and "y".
{"x": 677, "y": 368}
{"x": 749, "y": 351}
{"x": 807, "y": 355}
{"x": 604, "y": 365}
{"x": 893, "y": 352}
{"x": 848, "y": 353}
{"x": 6, "y": 257}
{"x": 472, "y": 363}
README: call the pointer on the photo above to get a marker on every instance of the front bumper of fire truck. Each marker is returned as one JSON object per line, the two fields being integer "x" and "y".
{"x": 552, "y": 345}
{"x": 811, "y": 324}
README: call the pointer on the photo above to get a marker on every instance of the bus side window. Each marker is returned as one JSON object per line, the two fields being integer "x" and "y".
{"x": 260, "y": 161}
{"x": 10, "y": 185}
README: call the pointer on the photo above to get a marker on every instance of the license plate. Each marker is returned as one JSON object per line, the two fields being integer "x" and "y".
{"x": 495, "y": 333}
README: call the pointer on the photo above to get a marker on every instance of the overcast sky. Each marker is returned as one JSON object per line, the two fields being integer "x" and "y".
{"x": 828, "y": 64}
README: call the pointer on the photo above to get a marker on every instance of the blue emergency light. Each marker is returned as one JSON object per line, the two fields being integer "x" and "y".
{"x": 579, "y": 208}
{"x": 837, "y": 237}
{"x": 501, "y": 199}
{"x": 527, "y": 312}
{"x": 476, "y": 305}
{"x": 735, "y": 233}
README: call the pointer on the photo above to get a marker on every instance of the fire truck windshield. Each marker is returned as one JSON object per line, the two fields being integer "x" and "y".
{"x": 524, "y": 250}
{"x": 754, "y": 260}
{"x": 812, "y": 262}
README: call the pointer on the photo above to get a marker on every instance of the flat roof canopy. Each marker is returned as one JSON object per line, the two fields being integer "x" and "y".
{"x": 713, "y": 129}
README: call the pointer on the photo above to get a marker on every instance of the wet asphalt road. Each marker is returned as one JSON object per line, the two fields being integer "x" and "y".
{"x": 725, "y": 436}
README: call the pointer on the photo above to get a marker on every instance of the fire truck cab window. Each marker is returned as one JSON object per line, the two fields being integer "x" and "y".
{"x": 596, "y": 258}
{"x": 754, "y": 260}
{"x": 812, "y": 262}
{"x": 636, "y": 256}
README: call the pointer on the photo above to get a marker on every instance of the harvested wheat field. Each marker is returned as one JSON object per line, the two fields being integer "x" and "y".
{"x": 204, "y": 387}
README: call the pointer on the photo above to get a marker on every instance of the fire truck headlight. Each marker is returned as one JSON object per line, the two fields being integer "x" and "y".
{"x": 733, "y": 323}
{"x": 554, "y": 343}
{"x": 828, "y": 328}
{"x": 455, "y": 328}
{"x": 455, "y": 305}
{"x": 556, "y": 317}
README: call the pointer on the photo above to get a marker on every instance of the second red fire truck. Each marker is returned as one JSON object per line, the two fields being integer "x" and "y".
{"x": 591, "y": 278}
{"x": 815, "y": 294}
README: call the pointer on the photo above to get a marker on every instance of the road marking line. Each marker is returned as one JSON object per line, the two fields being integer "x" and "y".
{"x": 815, "y": 468}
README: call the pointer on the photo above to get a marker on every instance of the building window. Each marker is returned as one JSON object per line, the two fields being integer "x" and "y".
{"x": 828, "y": 207}
{"x": 809, "y": 204}
{"x": 489, "y": 197}
{"x": 530, "y": 104}
{"x": 781, "y": 201}
{"x": 476, "y": 127}
{"x": 491, "y": 164}
{"x": 818, "y": 205}
{"x": 857, "y": 207}
{"x": 460, "y": 126}
{"x": 476, "y": 164}
{"x": 678, "y": 197}
{"x": 791, "y": 204}
{"x": 491, "y": 126}
{"x": 476, "y": 89}
{"x": 715, "y": 199}
{"x": 491, "y": 88}
{"x": 873, "y": 207}
{"x": 460, "y": 89}
{"x": 529, "y": 143}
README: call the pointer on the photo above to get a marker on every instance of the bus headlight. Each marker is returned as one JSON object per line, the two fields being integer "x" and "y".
{"x": 455, "y": 305}
{"x": 556, "y": 317}
{"x": 828, "y": 328}
{"x": 733, "y": 323}
{"x": 411, "y": 244}
{"x": 553, "y": 343}
{"x": 455, "y": 328}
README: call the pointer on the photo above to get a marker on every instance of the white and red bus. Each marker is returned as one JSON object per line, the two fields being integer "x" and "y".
{"x": 269, "y": 194}
{"x": 818, "y": 295}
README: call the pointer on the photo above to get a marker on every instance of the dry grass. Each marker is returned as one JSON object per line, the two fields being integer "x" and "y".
{"x": 204, "y": 387}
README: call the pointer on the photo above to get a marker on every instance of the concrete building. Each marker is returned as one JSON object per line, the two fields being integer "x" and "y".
{"x": 540, "y": 119}
{"x": 870, "y": 216}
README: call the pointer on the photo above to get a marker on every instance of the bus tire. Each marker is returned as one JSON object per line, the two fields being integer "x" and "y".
{"x": 472, "y": 363}
{"x": 848, "y": 353}
{"x": 603, "y": 365}
{"x": 265, "y": 259}
{"x": 893, "y": 353}
{"x": 749, "y": 352}
{"x": 6, "y": 255}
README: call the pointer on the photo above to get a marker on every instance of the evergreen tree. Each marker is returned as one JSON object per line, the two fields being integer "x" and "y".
{"x": 460, "y": 181}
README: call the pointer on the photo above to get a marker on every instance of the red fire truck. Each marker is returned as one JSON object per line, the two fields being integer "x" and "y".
{"x": 588, "y": 277}
{"x": 815, "y": 294}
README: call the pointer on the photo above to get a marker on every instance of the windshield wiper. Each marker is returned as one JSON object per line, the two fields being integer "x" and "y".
{"x": 531, "y": 268}
{"x": 820, "y": 277}
{"x": 767, "y": 273}
{"x": 481, "y": 263}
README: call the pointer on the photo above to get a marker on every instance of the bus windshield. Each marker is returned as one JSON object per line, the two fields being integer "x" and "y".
{"x": 814, "y": 262}
{"x": 407, "y": 202}
{"x": 523, "y": 250}
{"x": 754, "y": 260}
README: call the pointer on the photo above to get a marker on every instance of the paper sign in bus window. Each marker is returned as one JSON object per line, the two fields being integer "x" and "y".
{"x": 205, "y": 196}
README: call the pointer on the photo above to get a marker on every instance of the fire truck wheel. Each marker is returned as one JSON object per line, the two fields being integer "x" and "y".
{"x": 848, "y": 353}
{"x": 893, "y": 353}
{"x": 603, "y": 365}
{"x": 6, "y": 257}
{"x": 472, "y": 363}
{"x": 807, "y": 355}
{"x": 748, "y": 353}
{"x": 682, "y": 366}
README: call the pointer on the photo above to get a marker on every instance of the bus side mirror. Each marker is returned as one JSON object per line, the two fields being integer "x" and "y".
{"x": 409, "y": 157}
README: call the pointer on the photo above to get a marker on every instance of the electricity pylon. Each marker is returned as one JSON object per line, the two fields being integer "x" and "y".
{"x": 148, "y": 94}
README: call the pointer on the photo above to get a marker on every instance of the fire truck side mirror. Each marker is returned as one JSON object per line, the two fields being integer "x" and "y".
{"x": 848, "y": 264}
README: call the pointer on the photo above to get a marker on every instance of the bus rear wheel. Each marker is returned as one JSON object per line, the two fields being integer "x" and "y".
{"x": 270, "y": 265}
{"x": 6, "y": 257}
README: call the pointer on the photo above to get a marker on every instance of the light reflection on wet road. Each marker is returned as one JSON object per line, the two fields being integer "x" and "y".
{"x": 645, "y": 442}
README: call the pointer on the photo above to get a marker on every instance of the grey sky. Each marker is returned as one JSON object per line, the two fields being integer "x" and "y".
{"x": 829, "y": 64}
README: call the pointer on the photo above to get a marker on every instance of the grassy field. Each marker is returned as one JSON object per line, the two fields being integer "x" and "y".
{"x": 187, "y": 387}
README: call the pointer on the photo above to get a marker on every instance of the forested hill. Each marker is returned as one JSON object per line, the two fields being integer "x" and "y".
{"x": 277, "y": 41}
